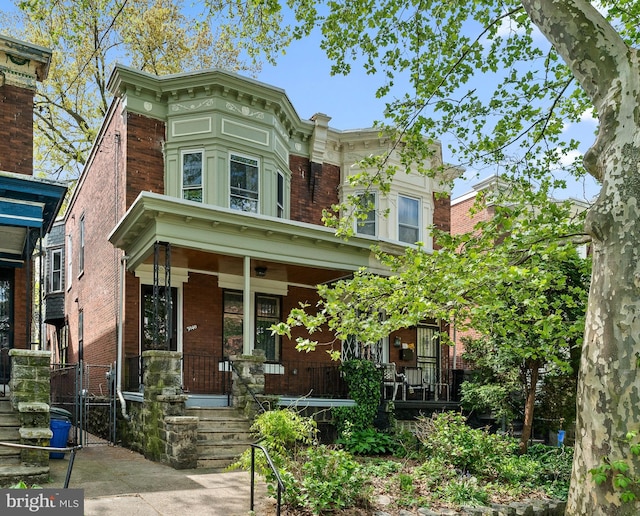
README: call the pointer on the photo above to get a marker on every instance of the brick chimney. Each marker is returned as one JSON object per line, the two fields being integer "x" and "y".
{"x": 21, "y": 66}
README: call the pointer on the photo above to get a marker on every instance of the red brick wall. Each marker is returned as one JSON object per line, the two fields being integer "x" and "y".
{"x": 441, "y": 214}
{"x": 16, "y": 126}
{"x": 313, "y": 188}
{"x": 94, "y": 291}
{"x": 463, "y": 221}
{"x": 132, "y": 316}
{"x": 202, "y": 310}
{"x": 145, "y": 163}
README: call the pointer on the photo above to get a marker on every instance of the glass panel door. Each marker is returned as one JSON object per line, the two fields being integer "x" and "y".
{"x": 429, "y": 353}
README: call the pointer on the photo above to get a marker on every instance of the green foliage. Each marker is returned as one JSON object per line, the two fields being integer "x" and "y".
{"x": 364, "y": 380}
{"x": 448, "y": 438}
{"x": 332, "y": 480}
{"x": 620, "y": 472}
{"x": 283, "y": 433}
{"x": 367, "y": 442}
{"x": 23, "y": 485}
{"x": 157, "y": 36}
{"x": 464, "y": 491}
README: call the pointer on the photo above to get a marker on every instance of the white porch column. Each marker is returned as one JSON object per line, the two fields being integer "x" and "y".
{"x": 247, "y": 337}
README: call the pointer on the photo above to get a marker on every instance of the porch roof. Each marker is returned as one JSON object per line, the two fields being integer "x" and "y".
{"x": 26, "y": 203}
{"x": 159, "y": 218}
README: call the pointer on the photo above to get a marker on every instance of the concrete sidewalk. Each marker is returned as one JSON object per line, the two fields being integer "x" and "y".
{"x": 117, "y": 481}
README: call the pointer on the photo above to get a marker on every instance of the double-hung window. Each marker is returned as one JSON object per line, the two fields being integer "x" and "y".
{"x": 267, "y": 314}
{"x": 366, "y": 209}
{"x": 192, "y": 175}
{"x": 244, "y": 183}
{"x": 280, "y": 193}
{"x": 408, "y": 219}
{"x": 55, "y": 280}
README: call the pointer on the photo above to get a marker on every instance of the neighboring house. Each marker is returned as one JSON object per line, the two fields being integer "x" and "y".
{"x": 28, "y": 205}
{"x": 464, "y": 218}
{"x": 203, "y": 196}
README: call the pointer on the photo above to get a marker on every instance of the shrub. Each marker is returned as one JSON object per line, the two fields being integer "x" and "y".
{"x": 282, "y": 433}
{"x": 332, "y": 480}
{"x": 446, "y": 436}
{"x": 364, "y": 380}
{"x": 464, "y": 491}
{"x": 367, "y": 442}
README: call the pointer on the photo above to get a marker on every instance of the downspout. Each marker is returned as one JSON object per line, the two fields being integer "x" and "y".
{"x": 123, "y": 405}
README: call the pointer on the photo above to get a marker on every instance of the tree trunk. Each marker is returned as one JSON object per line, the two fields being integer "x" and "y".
{"x": 608, "y": 399}
{"x": 529, "y": 407}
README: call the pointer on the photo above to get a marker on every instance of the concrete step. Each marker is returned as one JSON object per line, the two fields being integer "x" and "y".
{"x": 5, "y": 405}
{"x": 11, "y": 474}
{"x": 215, "y": 413}
{"x": 9, "y": 433}
{"x": 9, "y": 420}
{"x": 223, "y": 434}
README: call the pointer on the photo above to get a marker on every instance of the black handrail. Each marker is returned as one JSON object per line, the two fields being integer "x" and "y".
{"x": 281, "y": 487}
{"x": 72, "y": 457}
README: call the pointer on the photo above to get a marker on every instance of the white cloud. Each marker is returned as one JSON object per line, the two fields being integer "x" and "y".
{"x": 570, "y": 157}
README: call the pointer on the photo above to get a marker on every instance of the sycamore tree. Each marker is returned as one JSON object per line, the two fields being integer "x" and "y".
{"x": 87, "y": 37}
{"x": 478, "y": 72}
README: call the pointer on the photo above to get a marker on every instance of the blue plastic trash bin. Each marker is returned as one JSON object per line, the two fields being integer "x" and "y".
{"x": 560, "y": 438}
{"x": 60, "y": 429}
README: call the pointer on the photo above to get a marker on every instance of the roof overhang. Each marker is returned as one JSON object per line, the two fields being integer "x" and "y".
{"x": 159, "y": 218}
{"x": 26, "y": 203}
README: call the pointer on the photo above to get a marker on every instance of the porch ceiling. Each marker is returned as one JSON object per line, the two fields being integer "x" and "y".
{"x": 25, "y": 202}
{"x": 209, "y": 238}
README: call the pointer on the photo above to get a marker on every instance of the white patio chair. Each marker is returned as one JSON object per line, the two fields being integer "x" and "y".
{"x": 393, "y": 379}
{"x": 415, "y": 380}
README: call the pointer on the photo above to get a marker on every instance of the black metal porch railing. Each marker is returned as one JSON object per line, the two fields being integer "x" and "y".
{"x": 301, "y": 378}
{"x": 201, "y": 374}
{"x": 205, "y": 374}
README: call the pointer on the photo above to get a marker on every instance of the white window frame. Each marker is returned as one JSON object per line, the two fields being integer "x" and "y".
{"x": 406, "y": 225}
{"x": 56, "y": 271}
{"x": 280, "y": 202}
{"x": 69, "y": 257}
{"x": 257, "y": 166}
{"x": 200, "y": 187}
{"x": 363, "y": 224}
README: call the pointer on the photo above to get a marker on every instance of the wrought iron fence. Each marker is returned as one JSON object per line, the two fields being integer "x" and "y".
{"x": 201, "y": 374}
{"x": 316, "y": 379}
{"x": 205, "y": 374}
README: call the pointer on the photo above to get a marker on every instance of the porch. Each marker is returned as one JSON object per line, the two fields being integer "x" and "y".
{"x": 319, "y": 383}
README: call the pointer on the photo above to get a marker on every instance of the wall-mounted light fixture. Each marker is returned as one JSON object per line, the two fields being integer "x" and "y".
{"x": 397, "y": 342}
{"x": 261, "y": 272}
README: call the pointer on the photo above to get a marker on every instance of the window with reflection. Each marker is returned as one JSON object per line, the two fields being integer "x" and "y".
{"x": 192, "y": 175}
{"x": 408, "y": 219}
{"x": 244, "y": 183}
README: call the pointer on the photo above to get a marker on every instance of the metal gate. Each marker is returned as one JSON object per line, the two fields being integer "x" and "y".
{"x": 85, "y": 394}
